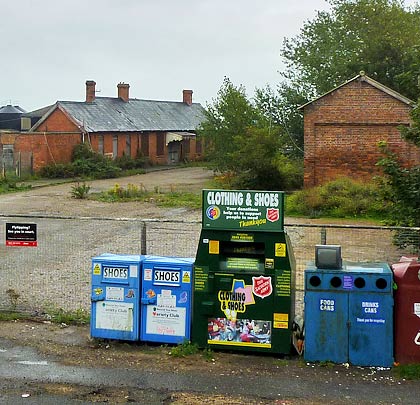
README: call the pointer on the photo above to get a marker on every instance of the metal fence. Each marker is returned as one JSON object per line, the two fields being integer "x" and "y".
{"x": 56, "y": 274}
{"x": 20, "y": 163}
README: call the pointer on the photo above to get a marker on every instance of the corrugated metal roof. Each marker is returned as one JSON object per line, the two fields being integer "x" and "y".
{"x": 106, "y": 114}
{"x": 40, "y": 112}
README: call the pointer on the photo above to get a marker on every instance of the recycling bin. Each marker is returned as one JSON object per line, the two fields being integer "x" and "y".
{"x": 407, "y": 311}
{"x": 166, "y": 299}
{"x": 244, "y": 273}
{"x": 371, "y": 309}
{"x": 115, "y": 296}
{"x": 326, "y": 316}
{"x": 349, "y": 314}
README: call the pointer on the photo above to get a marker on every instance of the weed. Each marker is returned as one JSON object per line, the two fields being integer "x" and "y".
{"x": 208, "y": 354}
{"x": 408, "y": 371}
{"x": 327, "y": 364}
{"x": 162, "y": 199}
{"x": 13, "y": 297}
{"x": 178, "y": 199}
{"x": 12, "y": 316}
{"x": 80, "y": 191}
{"x": 76, "y": 317}
{"x": 282, "y": 362}
{"x": 186, "y": 348}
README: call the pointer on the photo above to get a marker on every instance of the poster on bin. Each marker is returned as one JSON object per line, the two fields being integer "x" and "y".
{"x": 19, "y": 234}
{"x": 243, "y": 210}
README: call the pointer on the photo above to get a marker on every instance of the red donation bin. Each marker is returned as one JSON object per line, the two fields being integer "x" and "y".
{"x": 407, "y": 311}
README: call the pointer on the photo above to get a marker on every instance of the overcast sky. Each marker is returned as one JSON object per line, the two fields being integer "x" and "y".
{"x": 49, "y": 48}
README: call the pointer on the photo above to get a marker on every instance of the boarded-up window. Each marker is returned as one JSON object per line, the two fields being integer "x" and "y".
{"x": 145, "y": 144}
{"x": 186, "y": 146}
{"x": 128, "y": 145}
{"x": 198, "y": 147}
{"x": 101, "y": 144}
{"x": 160, "y": 144}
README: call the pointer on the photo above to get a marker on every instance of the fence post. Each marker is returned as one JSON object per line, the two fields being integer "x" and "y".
{"x": 143, "y": 240}
{"x": 323, "y": 236}
{"x": 32, "y": 163}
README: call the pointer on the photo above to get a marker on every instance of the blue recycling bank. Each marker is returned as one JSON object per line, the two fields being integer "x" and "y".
{"x": 166, "y": 299}
{"x": 349, "y": 314}
{"x": 137, "y": 297}
{"x": 115, "y": 308}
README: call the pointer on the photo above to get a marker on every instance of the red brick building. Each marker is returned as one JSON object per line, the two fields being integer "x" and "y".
{"x": 342, "y": 129}
{"x": 163, "y": 131}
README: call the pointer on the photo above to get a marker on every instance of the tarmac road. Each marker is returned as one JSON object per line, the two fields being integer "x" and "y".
{"x": 27, "y": 376}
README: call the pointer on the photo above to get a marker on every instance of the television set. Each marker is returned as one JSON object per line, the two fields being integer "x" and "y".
{"x": 328, "y": 257}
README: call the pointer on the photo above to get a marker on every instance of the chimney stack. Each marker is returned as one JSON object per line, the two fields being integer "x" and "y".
{"x": 90, "y": 91}
{"x": 123, "y": 92}
{"x": 187, "y": 96}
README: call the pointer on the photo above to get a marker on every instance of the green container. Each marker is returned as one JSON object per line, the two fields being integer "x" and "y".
{"x": 243, "y": 296}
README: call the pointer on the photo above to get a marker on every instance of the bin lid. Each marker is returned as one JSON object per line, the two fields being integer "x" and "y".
{"x": 168, "y": 259}
{"x": 118, "y": 257}
{"x": 407, "y": 272}
{"x": 355, "y": 267}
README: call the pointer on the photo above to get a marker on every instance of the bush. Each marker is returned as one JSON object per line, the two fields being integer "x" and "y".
{"x": 57, "y": 171}
{"x": 341, "y": 198}
{"x": 127, "y": 163}
{"x": 85, "y": 163}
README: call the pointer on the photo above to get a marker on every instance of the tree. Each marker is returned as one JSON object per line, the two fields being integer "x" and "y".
{"x": 380, "y": 37}
{"x": 404, "y": 182}
{"x": 279, "y": 107}
{"x": 225, "y": 120}
{"x": 246, "y": 144}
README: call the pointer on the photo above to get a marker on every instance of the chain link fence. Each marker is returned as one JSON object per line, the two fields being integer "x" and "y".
{"x": 56, "y": 274}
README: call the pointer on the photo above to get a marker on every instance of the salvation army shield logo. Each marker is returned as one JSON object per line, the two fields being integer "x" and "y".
{"x": 261, "y": 286}
{"x": 272, "y": 214}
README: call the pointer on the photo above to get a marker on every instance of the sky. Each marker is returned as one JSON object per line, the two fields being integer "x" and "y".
{"x": 49, "y": 48}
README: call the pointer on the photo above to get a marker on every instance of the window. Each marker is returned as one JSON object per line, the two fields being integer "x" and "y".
{"x": 114, "y": 146}
{"x": 101, "y": 144}
{"x": 128, "y": 145}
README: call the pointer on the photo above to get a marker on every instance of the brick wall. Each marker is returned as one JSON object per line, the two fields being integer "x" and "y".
{"x": 343, "y": 128}
{"x": 47, "y": 148}
{"x": 58, "y": 122}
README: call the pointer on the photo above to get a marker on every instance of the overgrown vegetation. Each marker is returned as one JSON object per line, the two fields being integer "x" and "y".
{"x": 403, "y": 182}
{"x": 76, "y": 317}
{"x": 86, "y": 163}
{"x": 12, "y": 316}
{"x": 341, "y": 198}
{"x": 10, "y": 183}
{"x": 169, "y": 199}
{"x": 244, "y": 146}
{"x": 55, "y": 315}
{"x": 184, "y": 349}
{"x": 187, "y": 348}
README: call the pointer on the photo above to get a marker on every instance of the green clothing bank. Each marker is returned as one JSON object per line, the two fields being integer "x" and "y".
{"x": 244, "y": 273}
